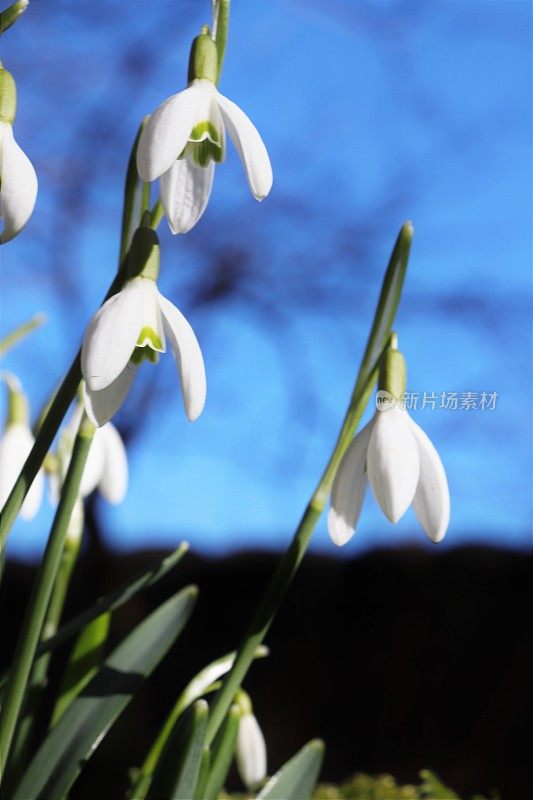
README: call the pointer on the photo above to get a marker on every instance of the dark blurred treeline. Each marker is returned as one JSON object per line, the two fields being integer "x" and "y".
{"x": 399, "y": 659}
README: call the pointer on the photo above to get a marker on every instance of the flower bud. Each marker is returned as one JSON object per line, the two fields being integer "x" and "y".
{"x": 203, "y": 60}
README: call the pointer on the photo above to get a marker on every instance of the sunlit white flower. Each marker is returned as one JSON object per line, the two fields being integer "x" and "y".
{"x": 15, "y": 446}
{"x": 251, "y": 752}
{"x": 182, "y": 141}
{"x": 18, "y": 181}
{"x": 402, "y": 466}
{"x": 130, "y": 327}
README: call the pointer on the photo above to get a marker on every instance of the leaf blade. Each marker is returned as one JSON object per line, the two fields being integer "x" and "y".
{"x": 78, "y": 733}
{"x": 297, "y": 778}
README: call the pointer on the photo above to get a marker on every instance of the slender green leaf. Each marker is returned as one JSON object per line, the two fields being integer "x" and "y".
{"x": 202, "y": 683}
{"x": 83, "y": 664}
{"x": 178, "y": 769}
{"x": 109, "y": 603}
{"x": 222, "y": 753}
{"x": 14, "y": 336}
{"x": 85, "y": 723}
{"x": 389, "y": 299}
{"x": 204, "y": 773}
{"x": 297, "y": 778}
{"x": 384, "y": 316}
{"x": 115, "y": 599}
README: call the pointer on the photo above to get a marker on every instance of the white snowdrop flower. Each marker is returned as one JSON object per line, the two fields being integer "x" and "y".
{"x": 133, "y": 326}
{"x": 15, "y": 447}
{"x": 18, "y": 181}
{"x": 395, "y": 456}
{"x": 186, "y": 136}
{"x": 106, "y": 468}
{"x": 251, "y": 752}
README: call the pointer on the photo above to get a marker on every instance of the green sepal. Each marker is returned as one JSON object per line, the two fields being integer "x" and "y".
{"x": 8, "y": 97}
{"x": 393, "y": 373}
{"x": 143, "y": 259}
{"x": 203, "y": 60}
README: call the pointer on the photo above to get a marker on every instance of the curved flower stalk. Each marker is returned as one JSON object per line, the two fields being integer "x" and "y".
{"x": 18, "y": 181}
{"x": 15, "y": 446}
{"x": 250, "y": 748}
{"x": 395, "y": 456}
{"x": 132, "y": 326}
{"x": 186, "y": 136}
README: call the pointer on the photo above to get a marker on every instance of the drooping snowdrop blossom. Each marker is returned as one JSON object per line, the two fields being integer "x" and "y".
{"x": 250, "y": 748}
{"x": 394, "y": 455}
{"x": 186, "y": 136}
{"x": 15, "y": 447}
{"x": 106, "y": 468}
{"x": 133, "y": 326}
{"x": 18, "y": 181}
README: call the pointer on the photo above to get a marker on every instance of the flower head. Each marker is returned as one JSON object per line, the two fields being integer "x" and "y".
{"x": 15, "y": 447}
{"x": 186, "y": 136}
{"x": 251, "y": 752}
{"x": 131, "y": 327}
{"x": 18, "y": 181}
{"x": 395, "y": 456}
{"x": 106, "y": 468}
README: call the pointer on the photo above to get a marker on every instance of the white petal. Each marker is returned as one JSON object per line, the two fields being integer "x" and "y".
{"x": 432, "y": 497}
{"x": 188, "y": 357}
{"x": 185, "y": 190}
{"x": 114, "y": 479}
{"x": 348, "y": 488}
{"x": 250, "y": 147}
{"x": 101, "y": 406}
{"x": 112, "y": 335}
{"x": 151, "y": 314}
{"x": 392, "y": 462}
{"x": 251, "y": 752}
{"x": 166, "y": 133}
{"x": 94, "y": 466}
{"x": 15, "y": 447}
{"x": 32, "y": 501}
{"x": 18, "y": 184}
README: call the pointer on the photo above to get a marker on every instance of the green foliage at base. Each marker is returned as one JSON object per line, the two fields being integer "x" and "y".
{"x": 381, "y": 787}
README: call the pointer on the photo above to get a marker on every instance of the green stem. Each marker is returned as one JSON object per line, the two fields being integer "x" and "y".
{"x": 133, "y": 188}
{"x": 11, "y": 14}
{"x": 220, "y": 28}
{"x": 39, "y": 672}
{"x": 11, "y": 339}
{"x": 66, "y": 392}
{"x": 42, "y": 590}
{"x": 43, "y": 441}
{"x": 156, "y": 215}
{"x": 366, "y": 378}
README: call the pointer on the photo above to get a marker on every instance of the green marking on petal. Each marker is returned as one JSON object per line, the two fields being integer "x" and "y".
{"x": 149, "y": 338}
{"x": 204, "y": 152}
{"x": 205, "y": 130}
{"x": 145, "y": 353}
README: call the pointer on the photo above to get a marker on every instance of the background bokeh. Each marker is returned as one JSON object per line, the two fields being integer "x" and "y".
{"x": 373, "y": 113}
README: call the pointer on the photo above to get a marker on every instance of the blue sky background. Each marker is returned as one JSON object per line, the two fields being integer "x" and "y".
{"x": 373, "y": 113}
